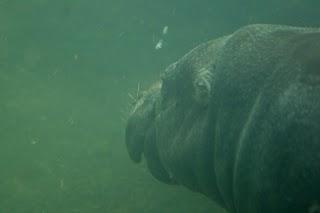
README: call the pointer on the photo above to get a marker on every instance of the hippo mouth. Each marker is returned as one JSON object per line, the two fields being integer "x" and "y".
{"x": 141, "y": 134}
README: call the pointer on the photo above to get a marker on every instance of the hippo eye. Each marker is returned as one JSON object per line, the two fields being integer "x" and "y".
{"x": 202, "y": 86}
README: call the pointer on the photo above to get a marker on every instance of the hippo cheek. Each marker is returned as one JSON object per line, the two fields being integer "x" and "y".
{"x": 154, "y": 163}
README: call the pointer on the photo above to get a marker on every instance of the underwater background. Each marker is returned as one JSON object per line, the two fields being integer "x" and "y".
{"x": 66, "y": 68}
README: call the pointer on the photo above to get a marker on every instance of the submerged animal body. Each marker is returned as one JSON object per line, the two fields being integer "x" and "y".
{"x": 238, "y": 120}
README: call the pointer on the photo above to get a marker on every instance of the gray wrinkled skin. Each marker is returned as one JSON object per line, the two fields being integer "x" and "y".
{"x": 238, "y": 119}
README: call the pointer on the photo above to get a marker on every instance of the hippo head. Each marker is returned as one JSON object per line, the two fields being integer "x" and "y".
{"x": 237, "y": 119}
{"x": 168, "y": 122}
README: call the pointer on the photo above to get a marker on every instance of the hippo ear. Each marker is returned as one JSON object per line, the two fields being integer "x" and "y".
{"x": 202, "y": 83}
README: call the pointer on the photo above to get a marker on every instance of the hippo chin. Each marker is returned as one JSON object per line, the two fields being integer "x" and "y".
{"x": 238, "y": 120}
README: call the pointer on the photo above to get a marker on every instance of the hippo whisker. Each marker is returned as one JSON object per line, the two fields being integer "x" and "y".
{"x": 138, "y": 91}
{"x": 125, "y": 113}
{"x": 134, "y": 99}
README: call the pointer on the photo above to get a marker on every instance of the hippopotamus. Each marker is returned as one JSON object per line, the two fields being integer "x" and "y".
{"x": 238, "y": 120}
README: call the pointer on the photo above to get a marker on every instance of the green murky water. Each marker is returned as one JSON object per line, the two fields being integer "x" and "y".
{"x": 66, "y": 68}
